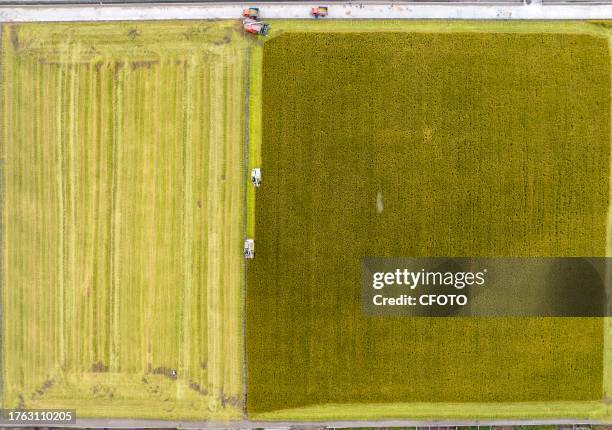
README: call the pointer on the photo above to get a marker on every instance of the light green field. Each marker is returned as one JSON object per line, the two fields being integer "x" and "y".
{"x": 122, "y": 194}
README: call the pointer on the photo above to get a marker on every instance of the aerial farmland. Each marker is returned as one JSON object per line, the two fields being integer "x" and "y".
{"x": 123, "y": 195}
{"x": 126, "y": 152}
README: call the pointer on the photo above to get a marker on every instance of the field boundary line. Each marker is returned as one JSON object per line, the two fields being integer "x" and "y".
{"x": 2, "y": 143}
{"x": 244, "y": 225}
{"x": 607, "y": 321}
{"x": 247, "y": 424}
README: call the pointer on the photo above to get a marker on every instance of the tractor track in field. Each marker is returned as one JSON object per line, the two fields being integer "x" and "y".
{"x": 244, "y": 227}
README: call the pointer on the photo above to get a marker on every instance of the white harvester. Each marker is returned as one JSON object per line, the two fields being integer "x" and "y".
{"x": 256, "y": 177}
{"x": 249, "y": 249}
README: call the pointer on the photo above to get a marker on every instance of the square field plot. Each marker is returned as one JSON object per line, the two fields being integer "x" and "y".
{"x": 407, "y": 144}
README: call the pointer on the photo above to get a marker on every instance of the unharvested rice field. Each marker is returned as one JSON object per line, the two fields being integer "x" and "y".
{"x": 121, "y": 150}
{"x": 477, "y": 144}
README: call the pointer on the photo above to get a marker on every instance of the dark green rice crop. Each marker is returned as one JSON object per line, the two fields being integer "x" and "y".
{"x": 479, "y": 144}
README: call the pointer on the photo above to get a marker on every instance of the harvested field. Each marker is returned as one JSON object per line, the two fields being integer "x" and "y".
{"x": 122, "y": 193}
{"x": 471, "y": 144}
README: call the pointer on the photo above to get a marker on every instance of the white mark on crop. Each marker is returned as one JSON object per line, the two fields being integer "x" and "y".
{"x": 379, "y": 202}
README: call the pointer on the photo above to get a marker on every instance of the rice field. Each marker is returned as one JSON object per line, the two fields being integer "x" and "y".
{"x": 121, "y": 148}
{"x": 122, "y": 186}
{"x": 481, "y": 143}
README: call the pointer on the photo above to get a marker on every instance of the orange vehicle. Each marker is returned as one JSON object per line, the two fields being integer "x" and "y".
{"x": 319, "y": 11}
{"x": 252, "y": 13}
{"x": 255, "y": 27}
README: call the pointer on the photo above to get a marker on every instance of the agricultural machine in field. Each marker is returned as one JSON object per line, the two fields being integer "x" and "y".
{"x": 249, "y": 249}
{"x": 319, "y": 11}
{"x": 255, "y": 27}
{"x": 251, "y": 13}
{"x": 256, "y": 177}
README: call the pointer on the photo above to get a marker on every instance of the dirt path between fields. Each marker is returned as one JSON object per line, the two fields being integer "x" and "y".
{"x": 1, "y": 220}
{"x": 129, "y": 423}
{"x": 244, "y": 228}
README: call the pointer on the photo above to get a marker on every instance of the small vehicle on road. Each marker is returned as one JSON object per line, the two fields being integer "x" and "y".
{"x": 252, "y": 13}
{"x": 319, "y": 11}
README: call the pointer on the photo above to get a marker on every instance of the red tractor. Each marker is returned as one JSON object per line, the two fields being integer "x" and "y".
{"x": 319, "y": 11}
{"x": 255, "y": 27}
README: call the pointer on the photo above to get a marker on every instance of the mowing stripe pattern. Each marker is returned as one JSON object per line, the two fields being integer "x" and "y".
{"x": 123, "y": 196}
